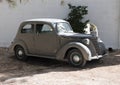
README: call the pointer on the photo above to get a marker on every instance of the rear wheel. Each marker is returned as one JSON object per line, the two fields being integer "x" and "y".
{"x": 76, "y": 58}
{"x": 20, "y": 53}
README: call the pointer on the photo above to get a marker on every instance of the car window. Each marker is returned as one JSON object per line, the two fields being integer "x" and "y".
{"x": 40, "y": 28}
{"x": 28, "y": 28}
{"x": 64, "y": 27}
{"x": 46, "y": 28}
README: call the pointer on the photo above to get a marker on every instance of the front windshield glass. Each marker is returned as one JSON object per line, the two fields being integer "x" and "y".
{"x": 64, "y": 27}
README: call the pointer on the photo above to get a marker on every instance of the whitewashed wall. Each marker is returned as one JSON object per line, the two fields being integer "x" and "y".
{"x": 104, "y": 13}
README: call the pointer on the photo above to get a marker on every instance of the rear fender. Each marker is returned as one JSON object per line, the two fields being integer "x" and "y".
{"x": 18, "y": 43}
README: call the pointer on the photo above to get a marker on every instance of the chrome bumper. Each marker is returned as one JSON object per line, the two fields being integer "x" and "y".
{"x": 96, "y": 57}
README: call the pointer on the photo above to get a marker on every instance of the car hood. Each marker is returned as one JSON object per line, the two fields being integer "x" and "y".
{"x": 75, "y": 35}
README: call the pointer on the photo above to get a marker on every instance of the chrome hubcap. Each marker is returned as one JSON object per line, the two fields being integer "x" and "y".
{"x": 20, "y": 53}
{"x": 76, "y": 58}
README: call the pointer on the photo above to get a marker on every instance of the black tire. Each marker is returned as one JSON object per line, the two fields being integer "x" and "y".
{"x": 75, "y": 58}
{"x": 20, "y": 53}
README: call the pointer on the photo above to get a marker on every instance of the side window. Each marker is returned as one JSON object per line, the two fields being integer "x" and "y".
{"x": 41, "y": 28}
{"x": 46, "y": 28}
{"x": 28, "y": 28}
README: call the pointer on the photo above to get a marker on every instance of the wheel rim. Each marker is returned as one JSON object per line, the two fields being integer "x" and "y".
{"x": 76, "y": 58}
{"x": 20, "y": 52}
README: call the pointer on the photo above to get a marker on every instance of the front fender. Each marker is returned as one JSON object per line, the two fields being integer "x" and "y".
{"x": 84, "y": 50}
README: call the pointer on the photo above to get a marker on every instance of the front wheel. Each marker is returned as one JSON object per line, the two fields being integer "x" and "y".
{"x": 75, "y": 58}
{"x": 20, "y": 53}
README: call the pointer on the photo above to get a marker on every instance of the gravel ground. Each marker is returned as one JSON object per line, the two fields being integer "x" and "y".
{"x": 39, "y": 71}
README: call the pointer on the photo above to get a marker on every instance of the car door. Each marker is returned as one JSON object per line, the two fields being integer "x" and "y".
{"x": 27, "y": 36}
{"x": 46, "y": 40}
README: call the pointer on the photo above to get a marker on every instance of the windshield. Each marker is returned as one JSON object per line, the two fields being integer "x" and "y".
{"x": 64, "y": 27}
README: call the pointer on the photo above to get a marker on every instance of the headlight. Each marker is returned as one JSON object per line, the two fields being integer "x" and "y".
{"x": 86, "y": 41}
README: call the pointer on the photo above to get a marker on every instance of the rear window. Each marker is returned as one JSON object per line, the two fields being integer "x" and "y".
{"x": 28, "y": 28}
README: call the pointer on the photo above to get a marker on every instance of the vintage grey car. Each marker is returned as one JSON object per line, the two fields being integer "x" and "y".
{"x": 55, "y": 39}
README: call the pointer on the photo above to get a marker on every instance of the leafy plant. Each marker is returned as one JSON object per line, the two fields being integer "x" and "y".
{"x": 76, "y": 16}
{"x": 13, "y": 3}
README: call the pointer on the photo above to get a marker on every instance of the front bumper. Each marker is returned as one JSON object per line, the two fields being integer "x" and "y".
{"x": 96, "y": 57}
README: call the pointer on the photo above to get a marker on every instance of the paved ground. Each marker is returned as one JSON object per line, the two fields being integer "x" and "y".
{"x": 38, "y": 71}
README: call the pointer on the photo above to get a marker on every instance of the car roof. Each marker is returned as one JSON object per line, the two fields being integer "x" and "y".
{"x": 49, "y": 20}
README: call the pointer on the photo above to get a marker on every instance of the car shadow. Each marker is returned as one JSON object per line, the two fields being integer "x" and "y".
{"x": 110, "y": 60}
{"x": 10, "y": 67}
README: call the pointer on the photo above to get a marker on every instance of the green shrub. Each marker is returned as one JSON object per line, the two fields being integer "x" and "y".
{"x": 76, "y": 16}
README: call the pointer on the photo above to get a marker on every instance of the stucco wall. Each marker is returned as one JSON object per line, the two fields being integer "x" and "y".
{"x": 104, "y": 13}
{"x": 119, "y": 26}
